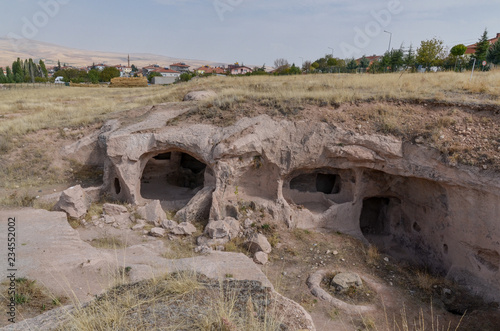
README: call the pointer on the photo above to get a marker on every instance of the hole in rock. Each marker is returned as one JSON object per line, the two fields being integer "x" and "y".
{"x": 164, "y": 156}
{"x": 416, "y": 227}
{"x": 489, "y": 258}
{"x": 316, "y": 182}
{"x": 118, "y": 187}
{"x": 174, "y": 178}
{"x": 379, "y": 218}
{"x": 445, "y": 249}
{"x": 319, "y": 189}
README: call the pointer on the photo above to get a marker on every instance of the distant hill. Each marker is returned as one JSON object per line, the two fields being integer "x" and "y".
{"x": 51, "y": 53}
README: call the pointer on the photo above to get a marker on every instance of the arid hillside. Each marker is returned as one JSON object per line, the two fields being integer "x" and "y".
{"x": 50, "y": 53}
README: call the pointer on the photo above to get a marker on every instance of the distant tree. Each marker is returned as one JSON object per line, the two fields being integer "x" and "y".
{"x": 482, "y": 47}
{"x": 306, "y": 66}
{"x": 410, "y": 59}
{"x": 45, "y": 73}
{"x": 364, "y": 62}
{"x": 281, "y": 66}
{"x": 185, "y": 77}
{"x": 458, "y": 50}
{"x": 108, "y": 73}
{"x": 493, "y": 54}
{"x": 331, "y": 61}
{"x": 315, "y": 65}
{"x": 93, "y": 76}
{"x": 3, "y": 78}
{"x": 10, "y": 75}
{"x": 456, "y": 53}
{"x": 154, "y": 74}
{"x": 294, "y": 70}
{"x": 281, "y": 62}
{"x": 71, "y": 75}
{"x": 352, "y": 64}
{"x": 58, "y": 66}
{"x": 430, "y": 52}
{"x": 396, "y": 59}
{"x": 134, "y": 68}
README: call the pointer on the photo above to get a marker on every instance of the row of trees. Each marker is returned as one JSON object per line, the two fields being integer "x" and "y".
{"x": 431, "y": 53}
{"x": 93, "y": 76}
{"x": 25, "y": 71}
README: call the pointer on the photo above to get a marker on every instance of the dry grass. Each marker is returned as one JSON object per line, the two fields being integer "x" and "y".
{"x": 29, "y": 110}
{"x": 108, "y": 243}
{"x": 425, "y": 281}
{"x": 372, "y": 255}
{"x": 178, "y": 301}
{"x": 31, "y": 298}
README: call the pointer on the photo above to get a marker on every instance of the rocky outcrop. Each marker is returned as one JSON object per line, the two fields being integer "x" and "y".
{"x": 199, "y": 95}
{"x": 152, "y": 212}
{"x": 315, "y": 175}
{"x": 258, "y": 243}
{"x": 74, "y": 202}
{"x": 342, "y": 281}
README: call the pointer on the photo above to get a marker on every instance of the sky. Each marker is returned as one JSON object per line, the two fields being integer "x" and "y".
{"x": 252, "y": 32}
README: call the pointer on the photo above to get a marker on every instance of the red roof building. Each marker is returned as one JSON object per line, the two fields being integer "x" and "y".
{"x": 471, "y": 49}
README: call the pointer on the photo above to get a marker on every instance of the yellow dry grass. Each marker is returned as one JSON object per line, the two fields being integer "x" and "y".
{"x": 28, "y": 110}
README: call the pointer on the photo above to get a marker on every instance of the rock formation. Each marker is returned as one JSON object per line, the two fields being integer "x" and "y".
{"x": 399, "y": 196}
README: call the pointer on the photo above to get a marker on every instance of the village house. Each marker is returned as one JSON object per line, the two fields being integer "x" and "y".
{"x": 167, "y": 72}
{"x": 471, "y": 49}
{"x": 236, "y": 69}
{"x": 148, "y": 69}
{"x": 180, "y": 67}
{"x": 210, "y": 70}
{"x": 99, "y": 66}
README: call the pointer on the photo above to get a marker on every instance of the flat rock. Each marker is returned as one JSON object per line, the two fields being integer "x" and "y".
{"x": 199, "y": 95}
{"x": 228, "y": 227}
{"x": 258, "y": 242}
{"x": 113, "y": 209}
{"x": 261, "y": 258}
{"x": 158, "y": 232}
{"x": 344, "y": 280}
{"x": 51, "y": 252}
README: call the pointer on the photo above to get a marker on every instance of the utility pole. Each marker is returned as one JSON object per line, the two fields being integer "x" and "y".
{"x": 390, "y": 39}
{"x": 332, "y": 51}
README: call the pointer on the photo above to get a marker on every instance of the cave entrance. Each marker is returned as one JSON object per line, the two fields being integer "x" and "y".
{"x": 317, "y": 190}
{"x": 174, "y": 178}
{"x": 379, "y": 217}
{"x": 316, "y": 182}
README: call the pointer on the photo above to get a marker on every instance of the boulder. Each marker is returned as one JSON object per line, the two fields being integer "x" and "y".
{"x": 228, "y": 227}
{"x": 185, "y": 228}
{"x": 152, "y": 213}
{"x": 74, "y": 202}
{"x": 109, "y": 219}
{"x": 198, "y": 209}
{"x": 158, "y": 232}
{"x": 169, "y": 225}
{"x": 199, "y": 95}
{"x": 344, "y": 280}
{"x": 258, "y": 242}
{"x": 261, "y": 258}
{"x": 114, "y": 210}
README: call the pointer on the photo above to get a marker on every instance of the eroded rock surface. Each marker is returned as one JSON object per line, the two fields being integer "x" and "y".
{"x": 399, "y": 196}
